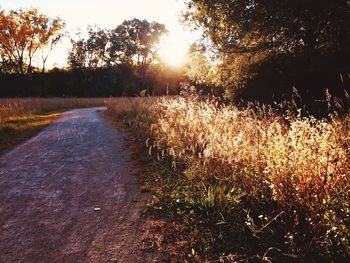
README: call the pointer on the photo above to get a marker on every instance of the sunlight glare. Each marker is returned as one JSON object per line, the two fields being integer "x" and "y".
{"x": 173, "y": 52}
{"x": 173, "y": 49}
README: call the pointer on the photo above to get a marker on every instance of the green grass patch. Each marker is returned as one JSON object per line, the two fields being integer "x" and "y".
{"x": 20, "y": 128}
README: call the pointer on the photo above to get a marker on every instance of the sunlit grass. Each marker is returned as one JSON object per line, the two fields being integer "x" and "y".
{"x": 251, "y": 176}
{"x": 17, "y": 129}
{"x": 21, "y": 119}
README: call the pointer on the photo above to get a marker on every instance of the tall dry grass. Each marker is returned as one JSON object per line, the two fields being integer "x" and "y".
{"x": 301, "y": 164}
{"x": 28, "y": 106}
{"x": 300, "y": 159}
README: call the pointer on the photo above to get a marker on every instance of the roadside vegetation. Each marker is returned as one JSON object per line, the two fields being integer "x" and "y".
{"x": 244, "y": 185}
{"x": 21, "y": 119}
{"x": 240, "y": 175}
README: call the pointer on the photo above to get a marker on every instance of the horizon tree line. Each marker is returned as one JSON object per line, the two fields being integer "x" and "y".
{"x": 26, "y": 33}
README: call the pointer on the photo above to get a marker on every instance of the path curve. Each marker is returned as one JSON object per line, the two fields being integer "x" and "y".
{"x": 52, "y": 185}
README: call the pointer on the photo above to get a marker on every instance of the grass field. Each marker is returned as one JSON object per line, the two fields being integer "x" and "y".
{"x": 244, "y": 185}
{"x": 20, "y": 119}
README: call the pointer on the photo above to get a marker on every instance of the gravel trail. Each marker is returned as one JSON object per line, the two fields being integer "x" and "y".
{"x": 69, "y": 195}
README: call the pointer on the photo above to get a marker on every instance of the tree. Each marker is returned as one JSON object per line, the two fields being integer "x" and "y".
{"x": 77, "y": 54}
{"x": 45, "y": 52}
{"x": 247, "y": 33}
{"x": 135, "y": 42}
{"x": 92, "y": 52}
{"x": 5, "y": 66}
{"x": 199, "y": 68}
{"x": 23, "y": 33}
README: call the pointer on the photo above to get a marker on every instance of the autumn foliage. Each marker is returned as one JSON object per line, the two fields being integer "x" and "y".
{"x": 22, "y": 34}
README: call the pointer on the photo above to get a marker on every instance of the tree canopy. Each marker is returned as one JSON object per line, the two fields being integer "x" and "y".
{"x": 22, "y": 34}
{"x": 130, "y": 47}
{"x": 133, "y": 42}
{"x": 246, "y": 34}
{"x": 90, "y": 52}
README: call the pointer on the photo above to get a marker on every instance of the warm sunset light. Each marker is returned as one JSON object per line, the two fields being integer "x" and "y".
{"x": 108, "y": 14}
{"x": 173, "y": 52}
{"x": 174, "y": 131}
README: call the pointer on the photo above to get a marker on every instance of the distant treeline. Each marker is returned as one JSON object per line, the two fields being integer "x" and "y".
{"x": 122, "y": 80}
{"x": 119, "y": 62}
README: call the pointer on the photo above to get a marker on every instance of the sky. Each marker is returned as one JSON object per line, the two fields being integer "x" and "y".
{"x": 78, "y": 14}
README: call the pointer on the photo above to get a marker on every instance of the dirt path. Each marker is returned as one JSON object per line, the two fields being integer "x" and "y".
{"x": 51, "y": 186}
